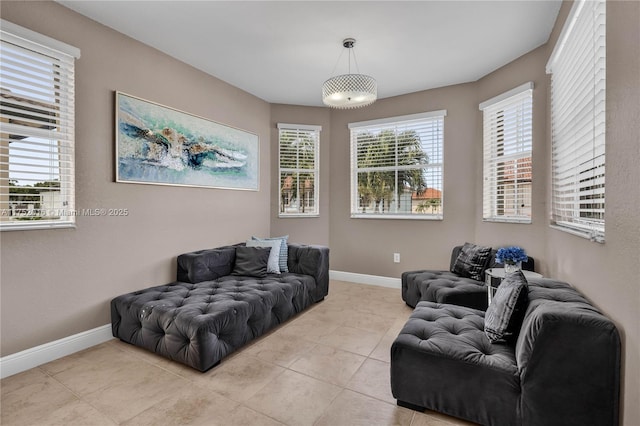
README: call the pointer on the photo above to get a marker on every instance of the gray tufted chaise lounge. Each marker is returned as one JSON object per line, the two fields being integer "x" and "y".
{"x": 448, "y": 287}
{"x": 199, "y": 323}
{"x": 563, "y": 369}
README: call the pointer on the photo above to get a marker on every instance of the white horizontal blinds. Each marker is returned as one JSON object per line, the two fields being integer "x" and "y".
{"x": 37, "y": 133}
{"x": 578, "y": 80}
{"x": 397, "y": 167}
{"x": 508, "y": 138}
{"x": 299, "y": 169}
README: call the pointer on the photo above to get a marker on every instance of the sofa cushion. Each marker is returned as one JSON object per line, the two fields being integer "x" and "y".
{"x": 472, "y": 261}
{"x": 284, "y": 250}
{"x": 443, "y": 361}
{"x": 251, "y": 261}
{"x": 504, "y": 316}
{"x": 443, "y": 287}
{"x": 205, "y": 265}
{"x": 273, "y": 263}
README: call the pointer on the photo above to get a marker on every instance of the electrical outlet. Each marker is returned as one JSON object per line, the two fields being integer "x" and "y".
{"x": 396, "y": 257}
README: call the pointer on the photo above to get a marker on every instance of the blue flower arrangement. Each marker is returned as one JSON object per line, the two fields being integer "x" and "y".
{"x": 511, "y": 255}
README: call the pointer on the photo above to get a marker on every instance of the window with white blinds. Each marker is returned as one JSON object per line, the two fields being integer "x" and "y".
{"x": 507, "y": 138}
{"x": 36, "y": 130}
{"x": 578, "y": 84}
{"x": 397, "y": 166}
{"x": 299, "y": 154}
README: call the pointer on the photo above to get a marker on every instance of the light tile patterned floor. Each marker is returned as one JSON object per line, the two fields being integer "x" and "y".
{"x": 327, "y": 366}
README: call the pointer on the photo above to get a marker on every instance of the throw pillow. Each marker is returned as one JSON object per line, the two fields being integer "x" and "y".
{"x": 205, "y": 265}
{"x": 504, "y": 316}
{"x": 472, "y": 261}
{"x": 274, "y": 256}
{"x": 251, "y": 261}
{"x": 284, "y": 250}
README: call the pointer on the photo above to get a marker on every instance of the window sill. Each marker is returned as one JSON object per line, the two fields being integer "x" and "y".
{"x": 298, "y": 216}
{"x": 507, "y": 220}
{"x": 579, "y": 233}
{"x": 34, "y": 226}
{"x": 394, "y": 216}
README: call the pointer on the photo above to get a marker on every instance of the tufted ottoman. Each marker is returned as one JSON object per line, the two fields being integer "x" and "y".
{"x": 208, "y": 313}
{"x": 199, "y": 324}
{"x": 443, "y": 287}
{"x": 443, "y": 361}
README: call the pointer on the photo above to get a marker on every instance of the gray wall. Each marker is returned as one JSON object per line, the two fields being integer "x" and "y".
{"x": 608, "y": 273}
{"x": 56, "y": 283}
{"x": 367, "y": 245}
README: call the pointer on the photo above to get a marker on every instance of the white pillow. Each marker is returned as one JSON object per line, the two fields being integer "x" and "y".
{"x": 273, "y": 265}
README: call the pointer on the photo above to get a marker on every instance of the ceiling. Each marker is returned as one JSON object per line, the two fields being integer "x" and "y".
{"x": 282, "y": 51}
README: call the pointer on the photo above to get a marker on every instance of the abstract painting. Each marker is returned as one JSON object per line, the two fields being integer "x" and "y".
{"x": 156, "y": 144}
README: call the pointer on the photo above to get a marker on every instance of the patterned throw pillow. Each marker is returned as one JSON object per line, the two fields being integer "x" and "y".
{"x": 472, "y": 261}
{"x": 284, "y": 250}
{"x": 504, "y": 316}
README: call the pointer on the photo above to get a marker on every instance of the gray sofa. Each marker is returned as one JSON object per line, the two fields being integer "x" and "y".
{"x": 448, "y": 287}
{"x": 209, "y": 313}
{"x": 562, "y": 368}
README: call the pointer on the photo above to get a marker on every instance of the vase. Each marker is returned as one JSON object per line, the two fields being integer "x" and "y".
{"x": 512, "y": 267}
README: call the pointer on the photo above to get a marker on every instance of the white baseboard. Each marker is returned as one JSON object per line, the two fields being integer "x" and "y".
{"x": 33, "y": 357}
{"x": 366, "y": 279}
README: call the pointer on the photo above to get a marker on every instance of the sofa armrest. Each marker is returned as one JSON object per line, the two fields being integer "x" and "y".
{"x": 314, "y": 261}
{"x": 454, "y": 256}
{"x": 568, "y": 355}
{"x": 206, "y": 265}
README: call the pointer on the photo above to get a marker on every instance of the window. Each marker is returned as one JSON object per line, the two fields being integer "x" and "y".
{"x": 507, "y": 156}
{"x": 396, "y": 167}
{"x": 578, "y": 80}
{"x": 299, "y": 155}
{"x": 36, "y": 130}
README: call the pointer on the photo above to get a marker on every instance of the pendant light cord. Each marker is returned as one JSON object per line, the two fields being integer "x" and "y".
{"x": 355, "y": 61}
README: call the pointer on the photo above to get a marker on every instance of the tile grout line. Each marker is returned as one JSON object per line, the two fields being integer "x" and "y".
{"x": 78, "y": 397}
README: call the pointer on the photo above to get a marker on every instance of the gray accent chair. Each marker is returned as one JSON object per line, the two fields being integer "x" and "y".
{"x": 563, "y": 368}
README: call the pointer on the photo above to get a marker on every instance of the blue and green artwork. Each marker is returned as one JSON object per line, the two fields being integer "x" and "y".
{"x": 156, "y": 144}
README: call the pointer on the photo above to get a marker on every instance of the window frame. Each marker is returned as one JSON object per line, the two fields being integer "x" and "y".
{"x": 389, "y": 123}
{"x": 61, "y": 149}
{"x": 313, "y": 130}
{"x": 518, "y": 102}
{"x": 578, "y": 183}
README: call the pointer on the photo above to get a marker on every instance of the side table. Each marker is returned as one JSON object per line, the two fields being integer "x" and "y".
{"x": 499, "y": 273}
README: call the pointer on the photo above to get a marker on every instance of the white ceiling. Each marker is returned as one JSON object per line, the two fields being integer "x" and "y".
{"x": 282, "y": 51}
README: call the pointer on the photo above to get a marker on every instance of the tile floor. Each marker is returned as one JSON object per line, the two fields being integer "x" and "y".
{"x": 327, "y": 366}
